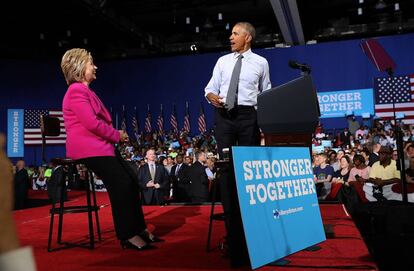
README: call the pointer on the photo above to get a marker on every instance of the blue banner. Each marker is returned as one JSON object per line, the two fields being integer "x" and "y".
{"x": 340, "y": 103}
{"x": 15, "y": 132}
{"x": 278, "y": 202}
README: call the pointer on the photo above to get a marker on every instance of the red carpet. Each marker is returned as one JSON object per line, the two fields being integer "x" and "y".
{"x": 185, "y": 229}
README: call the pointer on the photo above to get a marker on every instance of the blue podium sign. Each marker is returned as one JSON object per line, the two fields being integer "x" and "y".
{"x": 278, "y": 202}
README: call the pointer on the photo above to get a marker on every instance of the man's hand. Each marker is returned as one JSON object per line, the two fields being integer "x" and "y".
{"x": 215, "y": 100}
{"x": 157, "y": 185}
{"x": 150, "y": 183}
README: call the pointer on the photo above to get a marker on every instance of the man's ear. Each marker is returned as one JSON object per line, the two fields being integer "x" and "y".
{"x": 248, "y": 38}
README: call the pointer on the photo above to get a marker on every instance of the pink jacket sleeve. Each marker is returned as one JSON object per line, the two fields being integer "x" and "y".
{"x": 81, "y": 106}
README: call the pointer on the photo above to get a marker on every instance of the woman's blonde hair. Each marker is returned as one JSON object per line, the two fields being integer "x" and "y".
{"x": 73, "y": 64}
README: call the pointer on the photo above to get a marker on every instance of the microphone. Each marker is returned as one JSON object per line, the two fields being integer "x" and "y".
{"x": 303, "y": 67}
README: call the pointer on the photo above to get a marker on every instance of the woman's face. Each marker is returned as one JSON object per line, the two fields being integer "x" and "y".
{"x": 90, "y": 72}
{"x": 344, "y": 163}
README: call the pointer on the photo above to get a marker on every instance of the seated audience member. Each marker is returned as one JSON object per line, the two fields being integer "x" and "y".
{"x": 21, "y": 185}
{"x": 382, "y": 174}
{"x": 199, "y": 179}
{"x": 340, "y": 177}
{"x": 12, "y": 257}
{"x": 323, "y": 176}
{"x": 210, "y": 171}
{"x": 408, "y": 153}
{"x": 365, "y": 154}
{"x": 409, "y": 177}
{"x": 374, "y": 155}
{"x": 358, "y": 175}
{"x": 336, "y": 164}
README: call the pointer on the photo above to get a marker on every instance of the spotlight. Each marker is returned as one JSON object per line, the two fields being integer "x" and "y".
{"x": 193, "y": 48}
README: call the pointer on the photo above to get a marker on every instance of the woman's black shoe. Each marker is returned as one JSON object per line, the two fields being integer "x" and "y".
{"x": 128, "y": 245}
{"x": 146, "y": 237}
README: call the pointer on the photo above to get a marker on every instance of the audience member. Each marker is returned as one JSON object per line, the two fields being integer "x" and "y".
{"x": 21, "y": 185}
{"x": 198, "y": 178}
{"x": 153, "y": 180}
{"x": 12, "y": 256}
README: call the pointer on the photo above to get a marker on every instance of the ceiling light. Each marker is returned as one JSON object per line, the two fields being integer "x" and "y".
{"x": 187, "y": 20}
{"x": 197, "y": 29}
{"x": 227, "y": 26}
{"x": 359, "y": 11}
{"x": 397, "y": 6}
{"x": 220, "y": 16}
{"x": 361, "y": 1}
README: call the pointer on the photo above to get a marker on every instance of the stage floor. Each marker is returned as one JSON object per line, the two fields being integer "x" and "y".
{"x": 184, "y": 227}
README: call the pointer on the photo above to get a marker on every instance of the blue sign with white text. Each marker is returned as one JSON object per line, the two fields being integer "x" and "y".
{"x": 15, "y": 132}
{"x": 278, "y": 202}
{"x": 338, "y": 103}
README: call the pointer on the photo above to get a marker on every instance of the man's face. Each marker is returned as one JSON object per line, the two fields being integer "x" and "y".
{"x": 151, "y": 155}
{"x": 202, "y": 158}
{"x": 20, "y": 164}
{"x": 179, "y": 159}
{"x": 384, "y": 156}
{"x": 410, "y": 151}
{"x": 239, "y": 39}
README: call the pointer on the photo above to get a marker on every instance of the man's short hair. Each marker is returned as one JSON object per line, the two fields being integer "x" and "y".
{"x": 197, "y": 154}
{"x": 249, "y": 28}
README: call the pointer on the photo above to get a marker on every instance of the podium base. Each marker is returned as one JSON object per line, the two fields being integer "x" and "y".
{"x": 280, "y": 262}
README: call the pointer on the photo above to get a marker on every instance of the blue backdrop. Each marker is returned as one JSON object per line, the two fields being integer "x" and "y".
{"x": 138, "y": 82}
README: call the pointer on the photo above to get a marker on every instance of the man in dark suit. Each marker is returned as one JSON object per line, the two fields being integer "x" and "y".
{"x": 199, "y": 179}
{"x": 153, "y": 180}
{"x": 21, "y": 185}
{"x": 180, "y": 180}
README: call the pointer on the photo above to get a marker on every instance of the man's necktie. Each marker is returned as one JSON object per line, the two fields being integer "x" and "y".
{"x": 177, "y": 170}
{"x": 152, "y": 171}
{"x": 231, "y": 99}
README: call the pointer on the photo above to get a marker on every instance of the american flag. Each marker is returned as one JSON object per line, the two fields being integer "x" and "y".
{"x": 202, "y": 121}
{"x": 173, "y": 120}
{"x": 186, "y": 126}
{"x": 403, "y": 89}
{"x": 123, "y": 120}
{"x": 160, "y": 122}
{"x": 32, "y": 133}
{"x": 135, "y": 124}
{"x": 148, "y": 127}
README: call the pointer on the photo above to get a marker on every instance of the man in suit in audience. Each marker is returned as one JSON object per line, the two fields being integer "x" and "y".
{"x": 199, "y": 179}
{"x": 153, "y": 180}
{"x": 21, "y": 185}
{"x": 180, "y": 180}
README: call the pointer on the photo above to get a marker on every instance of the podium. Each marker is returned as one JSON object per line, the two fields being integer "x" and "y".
{"x": 288, "y": 114}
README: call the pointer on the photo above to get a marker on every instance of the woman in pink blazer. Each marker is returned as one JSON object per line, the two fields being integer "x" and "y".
{"x": 91, "y": 138}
